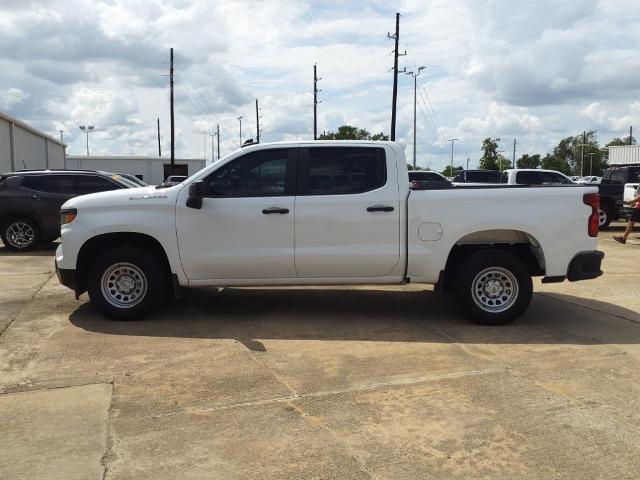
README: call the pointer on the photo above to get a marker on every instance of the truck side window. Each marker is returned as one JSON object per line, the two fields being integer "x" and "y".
{"x": 343, "y": 170}
{"x": 529, "y": 178}
{"x": 255, "y": 174}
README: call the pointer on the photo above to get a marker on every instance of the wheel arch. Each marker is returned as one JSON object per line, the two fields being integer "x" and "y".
{"x": 100, "y": 243}
{"x": 518, "y": 242}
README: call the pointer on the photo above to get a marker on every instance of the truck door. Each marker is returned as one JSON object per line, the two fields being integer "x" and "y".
{"x": 244, "y": 229}
{"x": 347, "y": 212}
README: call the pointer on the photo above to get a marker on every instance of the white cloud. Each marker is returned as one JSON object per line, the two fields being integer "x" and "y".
{"x": 11, "y": 97}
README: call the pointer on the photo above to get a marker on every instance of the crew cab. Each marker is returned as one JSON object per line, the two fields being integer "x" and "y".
{"x": 326, "y": 213}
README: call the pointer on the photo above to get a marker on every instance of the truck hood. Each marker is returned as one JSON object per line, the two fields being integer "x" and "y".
{"x": 124, "y": 197}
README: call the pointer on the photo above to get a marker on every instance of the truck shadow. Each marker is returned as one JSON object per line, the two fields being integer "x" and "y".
{"x": 248, "y": 315}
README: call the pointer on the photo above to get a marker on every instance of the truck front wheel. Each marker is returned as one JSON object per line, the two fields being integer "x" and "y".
{"x": 493, "y": 286}
{"x": 126, "y": 282}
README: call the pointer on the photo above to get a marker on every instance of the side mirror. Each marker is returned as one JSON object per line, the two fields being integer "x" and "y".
{"x": 197, "y": 191}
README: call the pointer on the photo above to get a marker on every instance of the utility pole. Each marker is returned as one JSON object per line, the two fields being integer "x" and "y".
{"x": 591, "y": 154}
{"x": 513, "y": 165}
{"x": 631, "y": 135}
{"x": 415, "y": 90}
{"x": 468, "y": 163}
{"x": 159, "y": 149}
{"x": 582, "y": 145}
{"x": 213, "y": 157}
{"x": 173, "y": 132}
{"x": 61, "y": 138}
{"x": 257, "y": 123}
{"x": 394, "y": 99}
{"x": 240, "y": 120}
{"x": 218, "y": 135}
{"x": 315, "y": 101}
{"x": 452, "y": 140}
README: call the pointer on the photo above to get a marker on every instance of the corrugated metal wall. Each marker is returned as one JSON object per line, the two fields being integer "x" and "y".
{"x": 5, "y": 146}
{"x": 56, "y": 155}
{"x": 624, "y": 155}
{"x": 30, "y": 150}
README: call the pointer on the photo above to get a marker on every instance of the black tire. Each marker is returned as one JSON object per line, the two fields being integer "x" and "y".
{"x": 20, "y": 234}
{"x": 145, "y": 283}
{"x": 506, "y": 276}
{"x": 605, "y": 217}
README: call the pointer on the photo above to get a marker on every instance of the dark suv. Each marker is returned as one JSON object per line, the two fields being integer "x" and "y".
{"x": 30, "y": 202}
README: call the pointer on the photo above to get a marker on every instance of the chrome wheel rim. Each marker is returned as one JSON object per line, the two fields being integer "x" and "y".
{"x": 20, "y": 234}
{"x": 602, "y": 217}
{"x": 124, "y": 285}
{"x": 494, "y": 289}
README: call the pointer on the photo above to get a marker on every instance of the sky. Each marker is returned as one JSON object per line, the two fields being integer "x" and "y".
{"x": 531, "y": 71}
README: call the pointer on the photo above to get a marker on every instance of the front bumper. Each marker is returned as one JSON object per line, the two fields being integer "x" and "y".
{"x": 585, "y": 266}
{"x": 67, "y": 277}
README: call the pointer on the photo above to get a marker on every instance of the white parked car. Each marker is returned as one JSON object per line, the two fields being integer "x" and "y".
{"x": 326, "y": 213}
{"x": 590, "y": 179}
{"x": 534, "y": 176}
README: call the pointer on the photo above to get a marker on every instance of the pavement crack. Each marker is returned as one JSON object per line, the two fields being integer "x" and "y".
{"x": 323, "y": 393}
{"x": 108, "y": 455}
{"x": 26, "y": 304}
{"x": 319, "y": 423}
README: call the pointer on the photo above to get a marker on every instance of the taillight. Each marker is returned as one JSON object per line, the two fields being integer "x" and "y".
{"x": 593, "y": 200}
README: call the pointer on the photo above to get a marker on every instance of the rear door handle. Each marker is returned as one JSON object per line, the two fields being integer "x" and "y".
{"x": 279, "y": 210}
{"x": 379, "y": 208}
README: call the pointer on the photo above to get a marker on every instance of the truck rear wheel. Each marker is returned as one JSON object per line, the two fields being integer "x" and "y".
{"x": 125, "y": 283}
{"x": 493, "y": 286}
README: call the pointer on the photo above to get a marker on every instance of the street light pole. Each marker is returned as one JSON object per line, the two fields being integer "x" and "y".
{"x": 415, "y": 90}
{"x": 240, "y": 120}
{"x": 452, "y": 140}
{"x": 87, "y": 130}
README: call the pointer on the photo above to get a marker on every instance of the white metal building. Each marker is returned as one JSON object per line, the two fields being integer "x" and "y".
{"x": 624, "y": 155}
{"x": 24, "y": 147}
{"x": 152, "y": 170}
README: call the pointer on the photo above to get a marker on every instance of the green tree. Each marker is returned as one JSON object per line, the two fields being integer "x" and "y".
{"x": 349, "y": 132}
{"x": 447, "y": 172}
{"x": 529, "y": 161}
{"x": 489, "y": 159}
{"x": 569, "y": 155}
{"x": 618, "y": 142}
{"x": 551, "y": 162}
{"x": 503, "y": 163}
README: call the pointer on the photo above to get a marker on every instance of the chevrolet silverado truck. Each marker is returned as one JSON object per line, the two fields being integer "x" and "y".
{"x": 326, "y": 213}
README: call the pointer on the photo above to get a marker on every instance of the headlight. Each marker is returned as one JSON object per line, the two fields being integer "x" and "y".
{"x": 67, "y": 215}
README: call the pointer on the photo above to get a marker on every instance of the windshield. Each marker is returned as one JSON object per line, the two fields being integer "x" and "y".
{"x": 123, "y": 181}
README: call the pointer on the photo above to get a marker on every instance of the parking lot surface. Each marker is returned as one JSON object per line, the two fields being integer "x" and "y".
{"x": 371, "y": 382}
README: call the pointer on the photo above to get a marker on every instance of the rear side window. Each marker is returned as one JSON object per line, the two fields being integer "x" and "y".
{"x": 63, "y": 184}
{"x": 92, "y": 184}
{"x": 342, "y": 170}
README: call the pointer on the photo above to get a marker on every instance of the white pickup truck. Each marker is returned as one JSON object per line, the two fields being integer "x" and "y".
{"x": 326, "y": 213}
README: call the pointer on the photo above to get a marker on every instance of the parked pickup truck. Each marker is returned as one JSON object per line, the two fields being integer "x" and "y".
{"x": 612, "y": 189}
{"x": 326, "y": 213}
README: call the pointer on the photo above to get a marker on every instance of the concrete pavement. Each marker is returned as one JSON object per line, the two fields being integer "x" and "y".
{"x": 377, "y": 382}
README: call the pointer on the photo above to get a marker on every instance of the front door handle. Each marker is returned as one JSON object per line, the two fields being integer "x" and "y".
{"x": 279, "y": 210}
{"x": 380, "y": 208}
